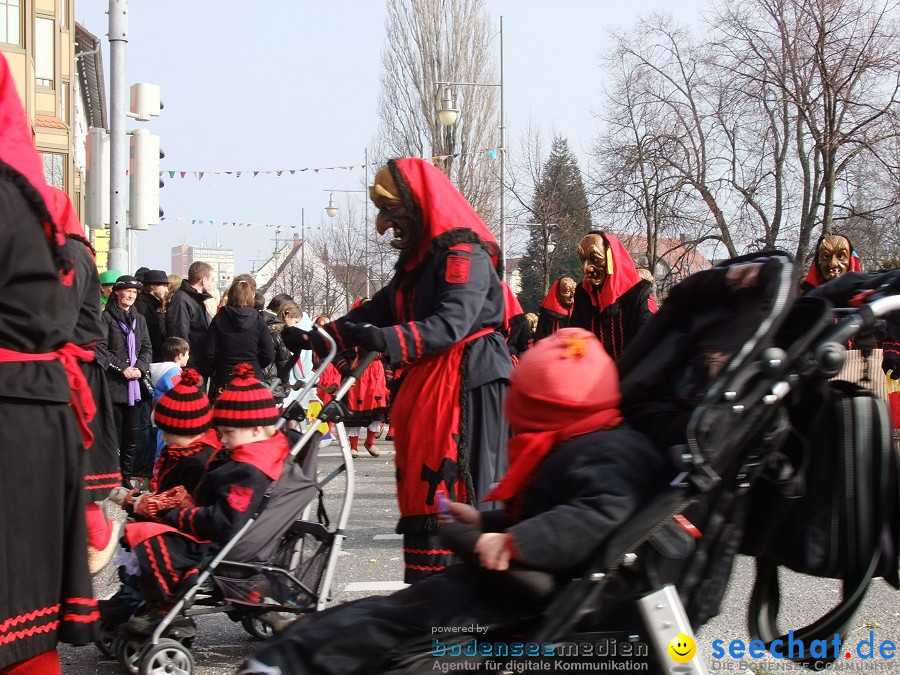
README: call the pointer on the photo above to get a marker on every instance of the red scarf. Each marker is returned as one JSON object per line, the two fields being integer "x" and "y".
{"x": 267, "y": 455}
{"x": 443, "y": 207}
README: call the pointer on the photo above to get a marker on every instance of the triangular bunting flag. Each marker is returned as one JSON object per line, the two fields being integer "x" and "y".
{"x": 171, "y": 174}
{"x": 255, "y": 174}
{"x": 183, "y": 174}
{"x": 237, "y": 174}
{"x": 278, "y": 173}
{"x": 200, "y": 175}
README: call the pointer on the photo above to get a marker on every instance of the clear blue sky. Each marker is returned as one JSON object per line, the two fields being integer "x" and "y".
{"x": 290, "y": 84}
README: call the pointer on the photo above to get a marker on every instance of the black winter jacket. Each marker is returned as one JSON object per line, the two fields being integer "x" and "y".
{"x": 618, "y": 323}
{"x": 187, "y": 318}
{"x": 112, "y": 348}
{"x": 581, "y": 493}
{"x": 238, "y": 335}
{"x": 148, "y": 306}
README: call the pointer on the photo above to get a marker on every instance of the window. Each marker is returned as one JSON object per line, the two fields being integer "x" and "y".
{"x": 11, "y": 22}
{"x": 44, "y": 51}
{"x": 64, "y": 102}
{"x": 54, "y": 169}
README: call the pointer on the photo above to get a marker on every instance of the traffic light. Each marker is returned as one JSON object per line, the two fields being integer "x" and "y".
{"x": 97, "y": 180}
{"x": 145, "y": 181}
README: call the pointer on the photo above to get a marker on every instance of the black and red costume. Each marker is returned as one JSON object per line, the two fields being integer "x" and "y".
{"x": 440, "y": 317}
{"x": 83, "y": 311}
{"x": 552, "y": 314}
{"x": 186, "y": 465}
{"x": 615, "y": 310}
{"x": 45, "y": 404}
{"x": 170, "y": 551}
{"x": 516, "y": 329}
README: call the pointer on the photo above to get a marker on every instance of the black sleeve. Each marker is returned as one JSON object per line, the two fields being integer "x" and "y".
{"x": 103, "y": 345}
{"x": 266, "y": 352}
{"x": 145, "y": 349}
{"x": 457, "y": 307}
{"x": 519, "y": 334}
{"x": 544, "y": 325}
{"x": 178, "y": 318}
{"x": 602, "y": 488}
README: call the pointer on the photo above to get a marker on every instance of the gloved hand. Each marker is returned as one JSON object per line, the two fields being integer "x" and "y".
{"x": 296, "y": 339}
{"x": 367, "y": 336}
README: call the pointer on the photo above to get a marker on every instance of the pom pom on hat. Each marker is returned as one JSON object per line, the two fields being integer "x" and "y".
{"x": 184, "y": 410}
{"x": 245, "y": 402}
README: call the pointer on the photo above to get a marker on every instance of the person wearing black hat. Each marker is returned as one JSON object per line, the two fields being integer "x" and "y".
{"x": 125, "y": 346}
{"x": 148, "y": 304}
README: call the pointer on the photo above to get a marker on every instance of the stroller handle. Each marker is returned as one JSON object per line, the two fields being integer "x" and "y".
{"x": 863, "y": 319}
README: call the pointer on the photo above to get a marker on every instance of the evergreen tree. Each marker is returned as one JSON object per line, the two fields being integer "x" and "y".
{"x": 561, "y": 218}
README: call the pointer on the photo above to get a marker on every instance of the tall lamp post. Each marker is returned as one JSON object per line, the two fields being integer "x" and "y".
{"x": 448, "y": 114}
{"x": 332, "y": 210}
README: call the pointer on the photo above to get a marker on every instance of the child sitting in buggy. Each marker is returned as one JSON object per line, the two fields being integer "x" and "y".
{"x": 573, "y": 479}
{"x": 184, "y": 528}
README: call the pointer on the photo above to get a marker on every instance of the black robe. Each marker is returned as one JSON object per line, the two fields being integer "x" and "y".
{"x": 46, "y": 589}
{"x": 617, "y": 324}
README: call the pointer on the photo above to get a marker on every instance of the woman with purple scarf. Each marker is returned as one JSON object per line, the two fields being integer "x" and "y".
{"x": 125, "y": 352}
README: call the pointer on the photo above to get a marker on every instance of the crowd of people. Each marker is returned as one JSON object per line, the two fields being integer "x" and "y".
{"x": 112, "y": 377}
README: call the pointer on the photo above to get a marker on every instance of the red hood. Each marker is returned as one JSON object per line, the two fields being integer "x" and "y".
{"x": 267, "y": 455}
{"x": 61, "y": 209}
{"x": 442, "y": 206}
{"x": 620, "y": 280}
{"x": 512, "y": 306}
{"x": 17, "y": 149}
{"x": 551, "y": 302}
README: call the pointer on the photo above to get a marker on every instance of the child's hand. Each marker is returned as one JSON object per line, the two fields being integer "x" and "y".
{"x": 463, "y": 513}
{"x": 493, "y": 553}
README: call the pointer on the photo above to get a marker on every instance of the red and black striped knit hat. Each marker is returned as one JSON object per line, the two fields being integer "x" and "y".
{"x": 184, "y": 409}
{"x": 245, "y": 402}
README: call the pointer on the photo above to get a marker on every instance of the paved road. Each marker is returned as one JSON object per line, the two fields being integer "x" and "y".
{"x": 372, "y": 558}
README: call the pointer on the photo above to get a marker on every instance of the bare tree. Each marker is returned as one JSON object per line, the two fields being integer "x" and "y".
{"x": 430, "y": 41}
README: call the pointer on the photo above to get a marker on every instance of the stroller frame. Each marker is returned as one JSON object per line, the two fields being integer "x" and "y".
{"x": 174, "y": 655}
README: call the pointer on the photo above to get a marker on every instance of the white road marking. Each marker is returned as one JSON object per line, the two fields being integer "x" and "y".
{"x": 388, "y": 536}
{"x": 357, "y": 586}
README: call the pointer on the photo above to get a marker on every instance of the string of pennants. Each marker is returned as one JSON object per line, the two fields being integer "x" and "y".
{"x": 234, "y": 223}
{"x": 493, "y": 153}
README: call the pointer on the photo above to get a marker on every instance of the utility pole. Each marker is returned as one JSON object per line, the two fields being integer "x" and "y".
{"x": 118, "y": 155}
{"x": 303, "y": 261}
{"x": 366, "y": 221}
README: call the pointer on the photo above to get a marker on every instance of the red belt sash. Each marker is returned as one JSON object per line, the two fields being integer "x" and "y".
{"x": 81, "y": 398}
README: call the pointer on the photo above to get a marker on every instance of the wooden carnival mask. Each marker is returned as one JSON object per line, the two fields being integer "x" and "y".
{"x": 833, "y": 256}
{"x": 391, "y": 212}
{"x": 593, "y": 255}
{"x": 566, "y": 291}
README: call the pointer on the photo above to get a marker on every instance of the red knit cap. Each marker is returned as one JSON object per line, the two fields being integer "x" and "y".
{"x": 245, "y": 402}
{"x": 184, "y": 409}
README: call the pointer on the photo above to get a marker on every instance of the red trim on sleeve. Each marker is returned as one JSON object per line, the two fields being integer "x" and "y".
{"x": 415, "y": 332}
{"x": 402, "y": 340}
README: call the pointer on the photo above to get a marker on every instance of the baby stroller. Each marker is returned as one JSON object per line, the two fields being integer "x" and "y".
{"x": 727, "y": 430}
{"x": 279, "y": 561}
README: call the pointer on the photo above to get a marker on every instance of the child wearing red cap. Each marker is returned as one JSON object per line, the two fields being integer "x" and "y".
{"x": 574, "y": 478}
{"x": 171, "y": 546}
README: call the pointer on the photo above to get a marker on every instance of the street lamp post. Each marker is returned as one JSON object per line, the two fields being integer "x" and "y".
{"x": 449, "y": 115}
{"x": 332, "y": 210}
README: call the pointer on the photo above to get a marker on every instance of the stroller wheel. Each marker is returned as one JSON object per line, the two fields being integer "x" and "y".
{"x": 167, "y": 657}
{"x": 128, "y": 652}
{"x": 106, "y": 642}
{"x": 257, "y": 628}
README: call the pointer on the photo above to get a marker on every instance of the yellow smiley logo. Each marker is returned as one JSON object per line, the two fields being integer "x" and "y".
{"x": 682, "y": 648}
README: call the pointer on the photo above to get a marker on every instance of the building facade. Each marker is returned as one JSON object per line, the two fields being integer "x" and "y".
{"x": 221, "y": 259}
{"x": 37, "y": 38}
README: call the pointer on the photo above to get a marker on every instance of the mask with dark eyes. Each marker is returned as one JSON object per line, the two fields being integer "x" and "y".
{"x": 833, "y": 257}
{"x": 592, "y": 253}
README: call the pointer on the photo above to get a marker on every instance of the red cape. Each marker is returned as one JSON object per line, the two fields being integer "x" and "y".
{"x": 511, "y": 305}
{"x": 443, "y": 207}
